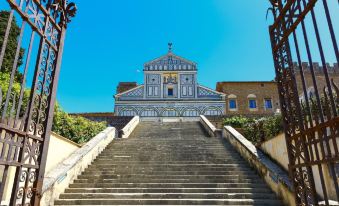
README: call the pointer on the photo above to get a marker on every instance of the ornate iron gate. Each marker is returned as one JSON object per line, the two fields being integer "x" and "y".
{"x": 309, "y": 94}
{"x": 28, "y": 92}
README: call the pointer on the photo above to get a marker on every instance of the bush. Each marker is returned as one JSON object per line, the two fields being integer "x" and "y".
{"x": 264, "y": 129}
{"x": 237, "y": 121}
{"x": 257, "y": 130}
{"x": 75, "y": 128}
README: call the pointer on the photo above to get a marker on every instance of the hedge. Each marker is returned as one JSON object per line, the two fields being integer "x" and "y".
{"x": 75, "y": 128}
{"x": 257, "y": 130}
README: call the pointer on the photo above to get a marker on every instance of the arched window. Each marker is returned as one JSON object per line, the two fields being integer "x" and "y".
{"x": 252, "y": 102}
{"x": 232, "y": 102}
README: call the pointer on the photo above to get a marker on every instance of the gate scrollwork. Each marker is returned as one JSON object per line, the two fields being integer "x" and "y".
{"x": 310, "y": 119}
{"x": 26, "y": 116}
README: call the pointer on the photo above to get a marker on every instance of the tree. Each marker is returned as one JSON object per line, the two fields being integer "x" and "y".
{"x": 12, "y": 43}
{"x": 77, "y": 129}
{"x": 8, "y": 61}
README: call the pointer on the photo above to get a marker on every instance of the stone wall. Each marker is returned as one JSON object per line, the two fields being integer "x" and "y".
{"x": 117, "y": 122}
{"x": 58, "y": 179}
{"x": 276, "y": 178}
{"x": 276, "y": 149}
{"x": 57, "y": 143}
{"x": 333, "y": 73}
{"x": 242, "y": 92}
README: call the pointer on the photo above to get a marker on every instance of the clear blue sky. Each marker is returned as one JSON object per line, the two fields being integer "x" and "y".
{"x": 108, "y": 42}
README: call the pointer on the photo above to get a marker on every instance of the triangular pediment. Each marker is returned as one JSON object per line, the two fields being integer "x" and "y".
{"x": 204, "y": 92}
{"x": 170, "y": 61}
{"x": 137, "y": 92}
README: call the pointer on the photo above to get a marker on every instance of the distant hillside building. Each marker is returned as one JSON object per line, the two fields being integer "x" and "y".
{"x": 253, "y": 98}
{"x": 260, "y": 98}
{"x": 170, "y": 89}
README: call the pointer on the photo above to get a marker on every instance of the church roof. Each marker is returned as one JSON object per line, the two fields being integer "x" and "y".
{"x": 170, "y": 62}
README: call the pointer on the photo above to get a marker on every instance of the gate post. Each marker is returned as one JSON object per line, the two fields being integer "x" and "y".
{"x": 25, "y": 129}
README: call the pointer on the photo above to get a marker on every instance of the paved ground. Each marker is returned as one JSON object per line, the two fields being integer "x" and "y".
{"x": 169, "y": 164}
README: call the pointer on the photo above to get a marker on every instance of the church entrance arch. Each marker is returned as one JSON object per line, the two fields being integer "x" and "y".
{"x": 128, "y": 112}
{"x": 190, "y": 112}
{"x": 212, "y": 111}
{"x": 149, "y": 112}
{"x": 170, "y": 112}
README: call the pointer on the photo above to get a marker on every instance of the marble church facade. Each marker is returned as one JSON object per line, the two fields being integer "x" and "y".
{"x": 170, "y": 89}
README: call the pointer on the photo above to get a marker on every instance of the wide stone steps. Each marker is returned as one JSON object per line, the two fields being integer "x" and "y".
{"x": 168, "y": 190}
{"x": 176, "y": 201}
{"x": 168, "y": 180}
{"x": 168, "y": 195}
{"x": 151, "y": 178}
{"x": 168, "y": 164}
{"x": 167, "y": 185}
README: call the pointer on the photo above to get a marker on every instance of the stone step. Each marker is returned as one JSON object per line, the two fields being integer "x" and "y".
{"x": 168, "y": 185}
{"x": 177, "y": 154}
{"x": 161, "y": 143}
{"x": 176, "y": 165}
{"x": 169, "y": 157}
{"x": 167, "y": 196}
{"x": 173, "y": 152}
{"x": 148, "y": 176}
{"x": 261, "y": 202}
{"x": 190, "y": 160}
{"x": 168, "y": 190}
{"x": 168, "y": 164}
{"x": 183, "y": 180}
{"x": 168, "y": 168}
{"x": 131, "y": 169}
{"x": 171, "y": 162}
{"x": 158, "y": 167}
{"x": 112, "y": 172}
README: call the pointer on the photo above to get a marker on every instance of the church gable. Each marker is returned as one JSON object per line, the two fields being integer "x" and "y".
{"x": 170, "y": 62}
{"x": 204, "y": 92}
{"x": 135, "y": 93}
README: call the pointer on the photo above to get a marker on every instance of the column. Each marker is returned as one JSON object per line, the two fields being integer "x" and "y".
{"x": 179, "y": 86}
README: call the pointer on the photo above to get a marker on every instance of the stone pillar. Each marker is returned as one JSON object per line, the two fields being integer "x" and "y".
{"x": 145, "y": 85}
{"x": 179, "y": 86}
{"x": 162, "y": 86}
{"x": 196, "y": 86}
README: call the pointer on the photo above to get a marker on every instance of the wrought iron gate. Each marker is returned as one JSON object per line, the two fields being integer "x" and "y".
{"x": 29, "y": 79}
{"x": 309, "y": 94}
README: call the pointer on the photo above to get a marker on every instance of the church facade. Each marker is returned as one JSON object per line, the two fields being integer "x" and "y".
{"x": 170, "y": 89}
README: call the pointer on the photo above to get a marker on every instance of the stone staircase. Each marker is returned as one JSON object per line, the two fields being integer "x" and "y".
{"x": 168, "y": 164}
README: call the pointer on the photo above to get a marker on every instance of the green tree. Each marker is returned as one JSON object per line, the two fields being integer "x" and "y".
{"x": 12, "y": 43}
{"x": 8, "y": 61}
{"x": 75, "y": 128}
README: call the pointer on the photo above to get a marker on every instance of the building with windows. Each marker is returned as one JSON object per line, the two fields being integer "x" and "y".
{"x": 170, "y": 89}
{"x": 260, "y": 98}
{"x": 250, "y": 98}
